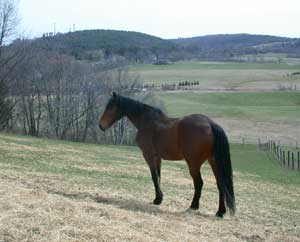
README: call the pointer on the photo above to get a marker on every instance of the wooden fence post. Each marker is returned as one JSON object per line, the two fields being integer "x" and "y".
{"x": 293, "y": 165}
{"x": 298, "y": 161}
{"x": 271, "y": 146}
{"x": 288, "y": 159}
{"x": 279, "y": 154}
{"x": 283, "y": 157}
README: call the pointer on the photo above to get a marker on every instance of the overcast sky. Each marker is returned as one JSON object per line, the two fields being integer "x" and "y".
{"x": 163, "y": 18}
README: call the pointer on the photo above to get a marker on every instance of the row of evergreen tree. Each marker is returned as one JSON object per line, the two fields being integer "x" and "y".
{"x": 189, "y": 83}
{"x": 167, "y": 85}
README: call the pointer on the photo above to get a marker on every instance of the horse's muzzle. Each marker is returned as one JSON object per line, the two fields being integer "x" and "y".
{"x": 100, "y": 126}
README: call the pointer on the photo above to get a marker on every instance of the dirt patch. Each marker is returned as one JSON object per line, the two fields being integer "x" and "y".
{"x": 180, "y": 181}
{"x": 18, "y": 147}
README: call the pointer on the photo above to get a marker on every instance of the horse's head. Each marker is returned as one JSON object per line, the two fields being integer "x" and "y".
{"x": 112, "y": 112}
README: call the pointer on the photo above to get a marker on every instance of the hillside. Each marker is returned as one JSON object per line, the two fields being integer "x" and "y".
{"x": 229, "y": 45}
{"x": 65, "y": 191}
{"x": 98, "y": 44}
{"x": 229, "y": 40}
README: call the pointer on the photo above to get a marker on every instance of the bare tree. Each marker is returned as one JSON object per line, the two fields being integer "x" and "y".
{"x": 8, "y": 21}
{"x": 58, "y": 96}
{"x": 8, "y": 25}
{"x": 44, "y": 93}
{"x": 62, "y": 98}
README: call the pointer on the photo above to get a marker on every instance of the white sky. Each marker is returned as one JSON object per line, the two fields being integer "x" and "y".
{"x": 163, "y": 18}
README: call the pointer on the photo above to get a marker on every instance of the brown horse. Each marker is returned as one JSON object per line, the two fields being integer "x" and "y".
{"x": 195, "y": 138}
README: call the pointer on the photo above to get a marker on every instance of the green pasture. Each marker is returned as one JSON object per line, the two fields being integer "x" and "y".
{"x": 212, "y": 65}
{"x": 64, "y": 191}
{"x": 53, "y": 190}
{"x": 220, "y": 74}
{"x": 257, "y": 106}
{"x": 122, "y": 166}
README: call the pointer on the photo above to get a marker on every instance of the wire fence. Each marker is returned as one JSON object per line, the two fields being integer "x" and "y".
{"x": 293, "y": 143}
{"x": 287, "y": 156}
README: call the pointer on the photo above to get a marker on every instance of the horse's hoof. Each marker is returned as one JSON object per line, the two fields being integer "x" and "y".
{"x": 157, "y": 200}
{"x": 220, "y": 214}
{"x": 194, "y": 207}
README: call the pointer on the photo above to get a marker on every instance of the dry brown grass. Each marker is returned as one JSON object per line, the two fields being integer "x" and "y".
{"x": 251, "y": 130}
{"x": 47, "y": 206}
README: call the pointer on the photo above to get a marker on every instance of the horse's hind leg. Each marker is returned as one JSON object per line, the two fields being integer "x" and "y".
{"x": 194, "y": 168}
{"x": 222, "y": 209}
{"x": 198, "y": 184}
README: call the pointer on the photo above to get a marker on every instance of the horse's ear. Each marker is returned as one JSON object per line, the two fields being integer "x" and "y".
{"x": 114, "y": 95}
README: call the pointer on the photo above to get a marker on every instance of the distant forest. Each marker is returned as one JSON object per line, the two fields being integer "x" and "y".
{"x": 225, "y": 46}
{"x": 97, "y": 45}
{"x": 134, "y": 47}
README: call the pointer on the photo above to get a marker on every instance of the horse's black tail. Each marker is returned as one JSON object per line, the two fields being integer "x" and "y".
{"x": 223, "y": 162}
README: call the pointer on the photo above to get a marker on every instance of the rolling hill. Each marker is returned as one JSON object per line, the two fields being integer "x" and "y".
{"x": 97, "y": 45}
{"x": 229, "y": 45}
{"x": 229, "y": 40}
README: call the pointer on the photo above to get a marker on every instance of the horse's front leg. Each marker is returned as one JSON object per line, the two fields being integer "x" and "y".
{"x": 154, "y": 162}
{"x": 155, "y": 173}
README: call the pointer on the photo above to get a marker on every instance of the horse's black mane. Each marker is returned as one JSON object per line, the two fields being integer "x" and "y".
{"x": 134, "y": 107}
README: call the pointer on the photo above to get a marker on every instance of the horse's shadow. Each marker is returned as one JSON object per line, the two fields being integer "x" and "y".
{"x": 120, "y": 202}
{"x": 129, "y": 204}
{"x": 144, "y": 207}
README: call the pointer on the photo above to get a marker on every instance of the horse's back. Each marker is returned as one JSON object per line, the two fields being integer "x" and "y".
{"x": 195, "y": 125}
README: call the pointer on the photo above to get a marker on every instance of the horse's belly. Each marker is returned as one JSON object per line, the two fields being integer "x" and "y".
{"x": 172, "y": 156}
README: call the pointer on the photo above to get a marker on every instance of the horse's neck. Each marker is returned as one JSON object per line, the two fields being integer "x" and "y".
{"x": 134, "y": 119}
{"x": 144, "y": 119}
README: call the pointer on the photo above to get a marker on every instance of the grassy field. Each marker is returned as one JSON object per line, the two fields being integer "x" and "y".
{"x": 266, "y": 115}
{"x": 273, "y": 106}
{"x": 221, "y": 75}
{"x": 61, "y": 191}
{"x": 255, "y": 109}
